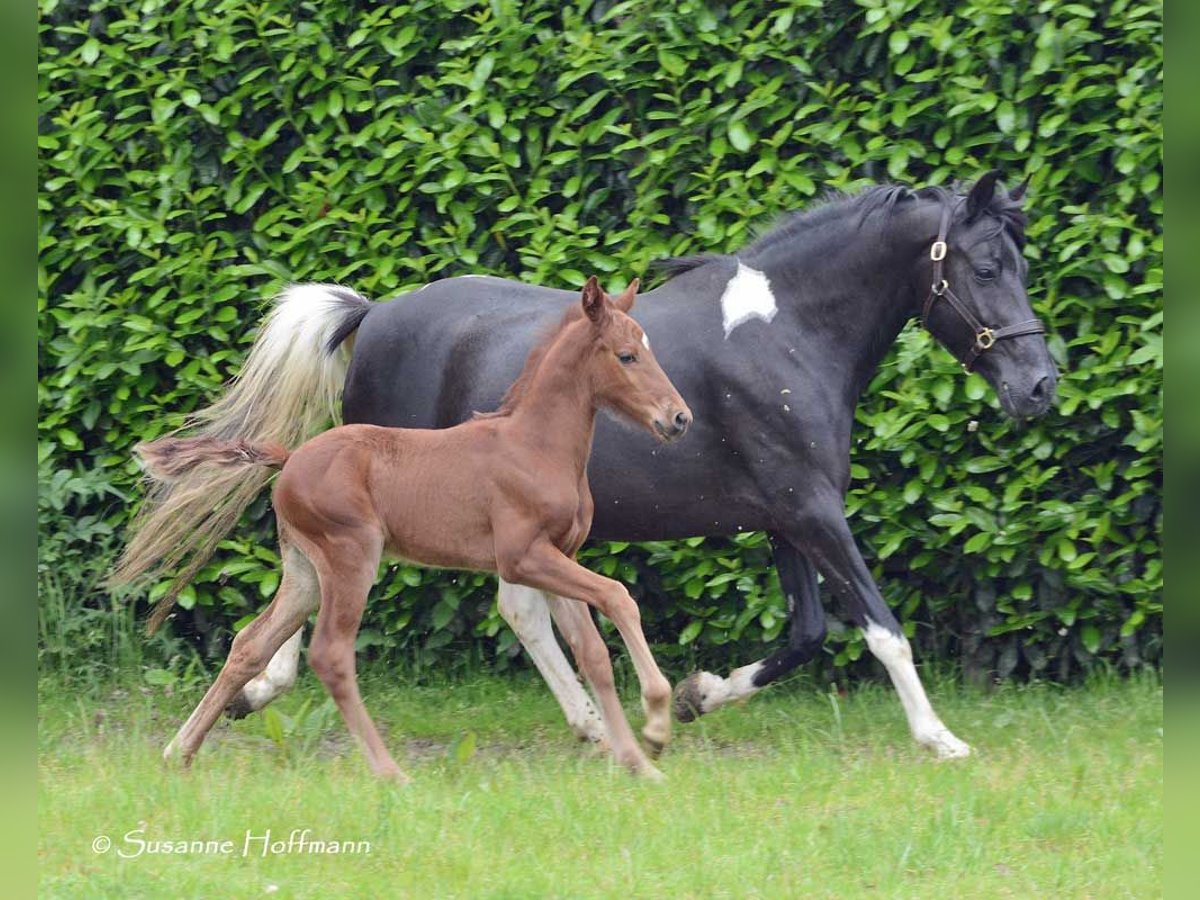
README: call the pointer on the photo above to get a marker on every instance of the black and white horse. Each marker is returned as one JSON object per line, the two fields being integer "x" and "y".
{"x": 771, "y": 347}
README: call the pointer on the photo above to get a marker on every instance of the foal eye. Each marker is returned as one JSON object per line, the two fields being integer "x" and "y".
{"x": 626, "y": 358}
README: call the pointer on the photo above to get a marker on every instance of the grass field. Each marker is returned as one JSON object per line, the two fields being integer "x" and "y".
{"x": 795, "y": 793}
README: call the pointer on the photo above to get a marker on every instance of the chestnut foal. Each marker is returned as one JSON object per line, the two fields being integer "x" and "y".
{"x": 506, "y": 492}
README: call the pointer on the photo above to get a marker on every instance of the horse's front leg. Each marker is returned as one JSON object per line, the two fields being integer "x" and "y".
{"x": 702, "y": 692}
{"x": 821, "y": 529}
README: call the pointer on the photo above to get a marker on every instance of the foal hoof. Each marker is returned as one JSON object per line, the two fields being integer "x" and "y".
{"x": 394, "y": 775}
{"x": 654, "y": 747}
{"x": 649, "y": 772}
{"x": 946, "y": 746}
{"x": 239, "y": 707}
{"x": 688, "y": 701}
{"x": 173, "y": 757}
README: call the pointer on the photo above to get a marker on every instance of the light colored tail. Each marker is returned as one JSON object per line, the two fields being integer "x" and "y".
{"x": 288, "y": 389}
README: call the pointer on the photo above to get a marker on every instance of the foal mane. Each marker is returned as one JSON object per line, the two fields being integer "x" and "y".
{"x": 512, "y": 397}
{"x": 834, "y": 206}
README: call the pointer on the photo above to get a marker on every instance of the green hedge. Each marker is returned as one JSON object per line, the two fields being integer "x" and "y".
{"x": 196, "y": 155}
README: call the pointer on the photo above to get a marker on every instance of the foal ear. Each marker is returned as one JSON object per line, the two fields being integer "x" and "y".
{"x": 594, "y": 301}
{"x": 981, "y": 194}
{"x": 625, "y": 302}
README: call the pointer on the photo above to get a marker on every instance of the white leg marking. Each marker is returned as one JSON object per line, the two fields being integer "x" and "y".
{"x": 526, "y": 612}
{"x": 716, "y": 691}
{"x": 895, "y": 653}
{"x": 747, "y": 296}
{"x": 278, "y": 676}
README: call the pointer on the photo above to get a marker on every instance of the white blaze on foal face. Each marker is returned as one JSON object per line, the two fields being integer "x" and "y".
{"x": 747, "y": 296}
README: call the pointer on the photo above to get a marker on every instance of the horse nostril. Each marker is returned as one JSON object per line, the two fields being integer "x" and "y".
{"x": 682, "y": 421}
{"x": 1041, "y": 390}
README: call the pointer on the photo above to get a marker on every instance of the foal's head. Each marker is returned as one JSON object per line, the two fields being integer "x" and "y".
{"x": 626, "y": 377}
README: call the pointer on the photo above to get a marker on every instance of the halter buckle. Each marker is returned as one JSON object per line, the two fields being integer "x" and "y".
{"x": 985, "y": 339}
{"x": 940, "y": 288}
{"x": 938, "y": 251}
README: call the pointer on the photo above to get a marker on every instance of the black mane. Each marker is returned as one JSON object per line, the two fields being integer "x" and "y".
{"x": 836, "y": 206}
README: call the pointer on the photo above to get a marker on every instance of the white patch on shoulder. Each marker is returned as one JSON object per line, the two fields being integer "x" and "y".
{"x": 747, "y": 296}
{"x": 645, "y": 340}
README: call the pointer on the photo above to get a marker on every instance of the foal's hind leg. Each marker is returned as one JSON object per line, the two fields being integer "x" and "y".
{"x": 525, "y": 610}
{"x": 347, "y": 571}
{"x": 278, "y": 677}
{"x": 253, "y": 647}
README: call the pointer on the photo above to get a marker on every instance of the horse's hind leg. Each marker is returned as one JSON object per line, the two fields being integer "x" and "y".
{"x": 525, "y": 610}
{"x": 703, "y": 692}
{"x": 252, "y": 649}
{"x": 347, "y": 572}
{"x": 278, "y": 677}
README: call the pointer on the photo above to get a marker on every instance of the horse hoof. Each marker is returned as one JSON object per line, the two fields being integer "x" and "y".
{"x": 239, "y": 707}
{"x": 688, "y": 701}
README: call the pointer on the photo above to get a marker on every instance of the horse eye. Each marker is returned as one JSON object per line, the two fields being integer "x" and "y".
{"x": 985, "y": 273}
{"x": 626, "y": 358}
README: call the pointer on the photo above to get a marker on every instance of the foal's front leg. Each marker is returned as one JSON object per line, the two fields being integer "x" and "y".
{"x": 545, "y": 567}
{"x": 526, "y": 611}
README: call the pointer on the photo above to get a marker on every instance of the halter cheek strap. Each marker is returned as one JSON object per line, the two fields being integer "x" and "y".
{"x": 985, "y": 337}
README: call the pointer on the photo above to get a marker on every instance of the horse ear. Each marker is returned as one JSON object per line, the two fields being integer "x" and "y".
{"x": 594, "y": 301}
{"x": 625, "y": 302}
{"x": 1017, "y": 194}
{"x": 981, "y": 194}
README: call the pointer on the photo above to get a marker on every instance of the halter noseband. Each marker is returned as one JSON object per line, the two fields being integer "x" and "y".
{"x": 985, "y": 338}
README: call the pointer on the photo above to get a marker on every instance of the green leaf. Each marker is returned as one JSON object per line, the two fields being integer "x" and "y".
{"x": 272, "y": 725}
{"x": 672, "y": 62}
{"x": 740, "y": 136}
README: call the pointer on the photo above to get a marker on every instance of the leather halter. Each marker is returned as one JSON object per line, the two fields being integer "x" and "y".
{"x": 985, "y": 337}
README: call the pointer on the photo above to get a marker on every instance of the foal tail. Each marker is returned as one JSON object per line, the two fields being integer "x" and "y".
{"x": 171, "y": 459}
{"x": 199, "y": 486}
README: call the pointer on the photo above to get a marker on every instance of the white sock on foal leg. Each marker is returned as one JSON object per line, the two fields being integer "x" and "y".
{"x": 278, "y": 677}
{"x": 526, "y": 612}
